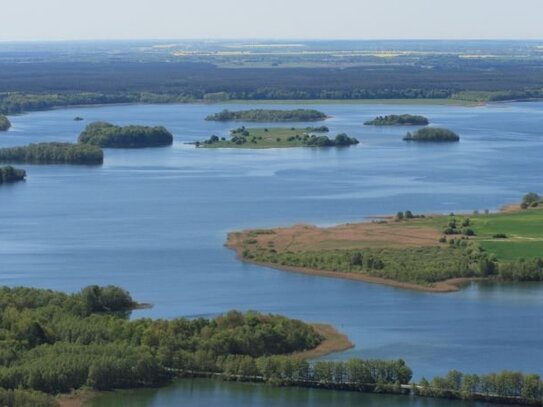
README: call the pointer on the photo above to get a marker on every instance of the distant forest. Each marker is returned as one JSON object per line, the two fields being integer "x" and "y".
{"x": 56, "y": 84}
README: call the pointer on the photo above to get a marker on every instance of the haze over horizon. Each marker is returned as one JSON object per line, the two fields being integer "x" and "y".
{"x": 33, "y": 20}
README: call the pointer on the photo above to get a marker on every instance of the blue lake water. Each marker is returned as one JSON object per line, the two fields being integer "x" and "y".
{"x": 155, "y": 220}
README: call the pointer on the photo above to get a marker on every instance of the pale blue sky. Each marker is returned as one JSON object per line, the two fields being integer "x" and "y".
{"x": 336, "y": 19}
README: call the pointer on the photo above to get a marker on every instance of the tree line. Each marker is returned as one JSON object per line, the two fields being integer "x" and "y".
{"x": 268, "y": 115}
{"x": 53, "y": 153}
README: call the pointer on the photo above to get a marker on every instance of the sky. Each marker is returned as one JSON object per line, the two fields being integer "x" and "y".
{"x": 271, "y": 19}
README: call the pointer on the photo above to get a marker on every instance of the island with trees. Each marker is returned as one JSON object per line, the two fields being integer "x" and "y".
{"x": 268, "y": 115}
{"x": 107, "y": 135}
{"x": 9, "y": 174}
{"x": 398, "y": 120}
{"x": 277, "y": 137}
{"x": 53, "y": 153}
{"x": 5, "y": 124}
{"x": 432, "y": 134}
{"x": 435, "y": 253}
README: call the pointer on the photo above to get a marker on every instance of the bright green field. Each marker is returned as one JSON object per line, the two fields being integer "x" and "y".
{"x": 524, "y": 230}
{"x": 276, "y": 137}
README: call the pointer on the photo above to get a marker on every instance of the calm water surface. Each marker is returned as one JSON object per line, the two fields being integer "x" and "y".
{"x": 155, "y": 220}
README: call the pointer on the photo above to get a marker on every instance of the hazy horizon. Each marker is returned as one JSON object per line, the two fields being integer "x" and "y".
{"x": 65, "y": 20}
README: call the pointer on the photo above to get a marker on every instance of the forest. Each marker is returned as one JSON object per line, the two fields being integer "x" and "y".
{"x": 107, "y": 135}
{"x": 53, "y": 153}
{"x": 4, "y": 123}
{"x": 432, "y": 134}
{"x": 268, "y": 115}
{"x": 398, "y": 120}
{"x": 9, "y": 174}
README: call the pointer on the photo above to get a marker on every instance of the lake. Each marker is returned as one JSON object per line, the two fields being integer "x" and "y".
{"x": 154, "y": 221}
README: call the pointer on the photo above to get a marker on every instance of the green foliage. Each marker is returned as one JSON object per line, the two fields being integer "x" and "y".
{"x": 526, "y": 388}
{"x": 8, "y": 174}
{"x": 268, "y": 115}
{"x": 4, "y": 123}
{"x": 26, "y": 398}
{"x": 530, "y": 200}
{"x": 110, "y": 136}
{"x": 432, "y": 134}
{"x": 54, "y": 342}
{"x": 53, "y": 153}
{"x": 398, "y": 120}
{"x": 419, "y": 265}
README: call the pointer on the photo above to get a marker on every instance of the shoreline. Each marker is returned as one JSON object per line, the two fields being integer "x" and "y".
{"x": 441, "y": 287}
{"x": 334, "y": 342}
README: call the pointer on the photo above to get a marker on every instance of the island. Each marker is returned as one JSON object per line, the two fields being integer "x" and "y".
{"x": 268, "y": 115}
{"x": 432, "y": 134}
{"x": 437, "y": 253}
{"x": 5, "y": 124}
{"x": 9, "y": 174}
{"x": 78, "y": 119}
{"x": 398, "y": 120}
{"x": 53, "y": 153}
{"x": 278, "y": 137}
{"x": 107, "y": 135}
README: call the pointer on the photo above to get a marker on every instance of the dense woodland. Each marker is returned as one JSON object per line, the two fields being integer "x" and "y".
{"x": 268, "y": 115}
{"x": 60, "y": 83}
{"x": 9, "y": 174}
{"x": 432, "y": 134}
{"x": 107, "y": 135}
{"x": 4, "y": 123}
{"x": 54, "y": 342}
{"x": 398, "y": 120}
{"x": 53, "y": 153}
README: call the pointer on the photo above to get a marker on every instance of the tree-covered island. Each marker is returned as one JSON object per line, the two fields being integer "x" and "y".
{"x": 107, "y": 135}
{"x": 53, "y": 153}
{"x": 9, "y": 174}
{"x": 277, "y": 137}
{"x": 268, "y": 115}
{"x": 432, "y": 134}
{"x": 398, "y": 120}
{"x": 5, "y": 124}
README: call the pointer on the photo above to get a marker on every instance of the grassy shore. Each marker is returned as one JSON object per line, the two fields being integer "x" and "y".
{"x": 408, "y": 253}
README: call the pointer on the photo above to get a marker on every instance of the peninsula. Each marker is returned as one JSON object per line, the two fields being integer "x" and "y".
{"x": 107, "y": 135}
{"x": 398, "y": 120}
{"x": 277, "y": 137}
{"x": 432, "y": 134}
{"x": 432, "y": 253}
{"x": 268, "y": 115}
{"x": 53, "y": 153}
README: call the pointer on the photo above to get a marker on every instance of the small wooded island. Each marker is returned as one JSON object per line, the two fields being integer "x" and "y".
{"x": 53, "y": 153}
{"x": 398, "y": 120}
{"x": 8, "y": 175}
{"x": 433, "y": 253}
{"x": 433, "y": 134}
{"x": 107, "y": 135}
{"x": 5, "y": 124}
{"x": 277, "y": 137}
{"x": 268, "y": 115}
